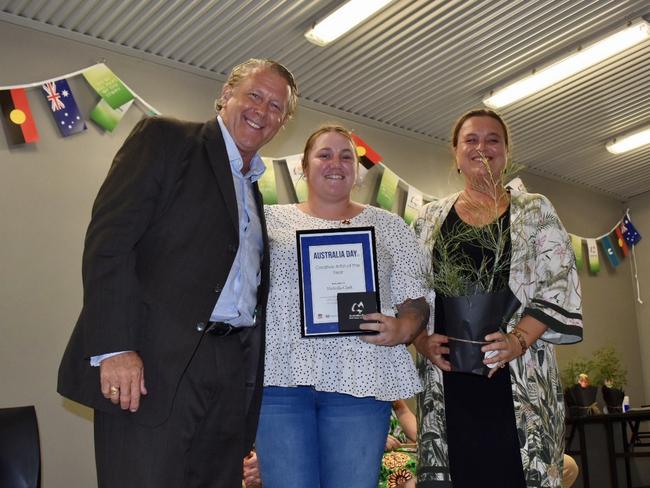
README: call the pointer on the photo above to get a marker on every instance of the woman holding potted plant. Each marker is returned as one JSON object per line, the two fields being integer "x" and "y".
{"x": 506, "y": 290}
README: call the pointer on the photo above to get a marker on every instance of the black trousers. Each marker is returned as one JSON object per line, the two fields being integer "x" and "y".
{"x": 202, "y": 442}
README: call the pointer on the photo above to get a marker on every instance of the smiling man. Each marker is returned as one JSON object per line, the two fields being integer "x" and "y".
{"x": 169, "y": 342}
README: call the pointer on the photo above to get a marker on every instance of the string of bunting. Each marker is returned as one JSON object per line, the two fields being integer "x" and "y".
{"x": 115, "y": 99}
{"x": 616, "y": 245}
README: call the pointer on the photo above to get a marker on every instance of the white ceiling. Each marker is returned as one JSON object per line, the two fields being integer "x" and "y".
{"x": 412, "y": 68}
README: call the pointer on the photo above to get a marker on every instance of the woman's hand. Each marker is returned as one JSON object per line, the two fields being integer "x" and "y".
{"x": 506, "y": 347}
{"x": 392, "y": 443}
{"x": 391, "y": 330}
{"x": 432, "y": 347}
{"x": 413, "y": 317}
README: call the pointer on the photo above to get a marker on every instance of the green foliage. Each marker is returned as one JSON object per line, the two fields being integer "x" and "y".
{"x": 574, "y": 368}
{"x": 454, "y": 272}
{"x": 608, "y": 366}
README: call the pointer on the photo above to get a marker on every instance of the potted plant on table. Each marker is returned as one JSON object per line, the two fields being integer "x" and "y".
{"x": 579, "y": 393}
{"x": 611, "y": 376}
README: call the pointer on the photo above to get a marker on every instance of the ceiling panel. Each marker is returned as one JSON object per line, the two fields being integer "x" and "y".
{"x": 412, "y": 68}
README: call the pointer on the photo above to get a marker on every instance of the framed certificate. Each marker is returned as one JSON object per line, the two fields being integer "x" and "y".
{"x": 337, "y": 271}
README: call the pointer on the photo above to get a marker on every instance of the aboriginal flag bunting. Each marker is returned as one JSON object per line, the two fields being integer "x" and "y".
{"x": 17, "y": 117}
{"x": 367, "y": 156}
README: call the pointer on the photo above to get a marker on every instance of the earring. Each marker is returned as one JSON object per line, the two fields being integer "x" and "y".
{"x": 458, "y": 170}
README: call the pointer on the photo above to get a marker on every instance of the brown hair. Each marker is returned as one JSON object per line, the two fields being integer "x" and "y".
{"x": 480, "y": 112}
{"x": 244, "y": 69}
{"x": 324, "y": 129}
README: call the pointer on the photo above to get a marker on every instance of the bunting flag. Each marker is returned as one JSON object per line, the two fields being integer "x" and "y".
{"x": 294, "y": 165}
{"x": 108, "y": 86}
{"x": 576, "y": 243}
{"x": 107, "y": 117}
{"x": 592, "y": 252}
{"x": 608, "y": 248}
{"x": 17, "y": 116}
{"x": 64, "y": 108}
{"x": 414, "y": 202}
{"x": 266, "y": 183}
{"x": 630, "y": 234}
{"x": 116, "y": 97}
{"x": 367, "y": 156}
{"x": 387, "y": 189}
{"x": 620, "y": 241}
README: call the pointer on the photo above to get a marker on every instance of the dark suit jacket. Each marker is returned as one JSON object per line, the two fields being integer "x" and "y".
{"x": 159, "y": 247}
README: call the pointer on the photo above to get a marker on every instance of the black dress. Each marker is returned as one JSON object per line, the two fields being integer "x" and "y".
{"x": 481, "y": 430}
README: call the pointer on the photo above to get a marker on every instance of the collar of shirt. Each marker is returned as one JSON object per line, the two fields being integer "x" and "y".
{"x": 236, "y": 162}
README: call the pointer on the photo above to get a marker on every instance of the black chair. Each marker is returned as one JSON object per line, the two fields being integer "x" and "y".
{"x": 20, "y": 453}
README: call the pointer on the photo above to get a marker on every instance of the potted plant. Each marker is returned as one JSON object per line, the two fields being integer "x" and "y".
{"x": 579, "y": 393}
{"x": 611, "y": 376}
{"x": 473, "y": 300}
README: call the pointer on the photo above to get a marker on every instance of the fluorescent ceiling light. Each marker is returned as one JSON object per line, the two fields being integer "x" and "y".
{"x": 631, "y": 141}
{"x": 582, "y": 59}
{"x": 344, "y": 18}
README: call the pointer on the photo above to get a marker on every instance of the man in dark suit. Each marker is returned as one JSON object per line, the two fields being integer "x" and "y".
{"x": 168, "y": 348}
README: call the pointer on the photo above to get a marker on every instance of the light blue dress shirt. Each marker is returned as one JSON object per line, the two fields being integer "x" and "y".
{"x": 238, "y": 299}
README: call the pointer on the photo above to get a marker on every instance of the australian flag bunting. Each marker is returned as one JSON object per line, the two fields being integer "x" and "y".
{"x": 630, "y": 234}
{"x": 64, "y": 108}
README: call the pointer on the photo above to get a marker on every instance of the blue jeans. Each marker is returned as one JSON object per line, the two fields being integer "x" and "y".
{"x": 313, "y": 439}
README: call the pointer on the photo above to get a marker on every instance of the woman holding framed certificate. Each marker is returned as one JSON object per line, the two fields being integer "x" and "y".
{"x": 328, "y": 388}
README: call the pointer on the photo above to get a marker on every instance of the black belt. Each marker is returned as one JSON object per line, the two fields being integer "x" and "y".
{"x": 221, "y": 329}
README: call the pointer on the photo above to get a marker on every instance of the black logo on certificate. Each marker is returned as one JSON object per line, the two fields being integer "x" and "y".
{"x": 335, "y": 262}
{"x": 352, "y": 306}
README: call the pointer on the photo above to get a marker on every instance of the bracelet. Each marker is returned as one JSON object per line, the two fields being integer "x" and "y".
{"x": 520, "y": 337}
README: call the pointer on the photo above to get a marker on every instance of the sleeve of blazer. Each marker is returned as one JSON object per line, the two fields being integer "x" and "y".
{"x": 122, "y": 211}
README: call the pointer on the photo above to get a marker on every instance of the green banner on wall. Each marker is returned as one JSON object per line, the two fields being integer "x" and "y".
{"x": 109, "y": 86}
{"x": 413, "y": 205}
{"x": 387, "y": 189}
{"x": 107, "y": 117}
{"x": 266, "y": 183}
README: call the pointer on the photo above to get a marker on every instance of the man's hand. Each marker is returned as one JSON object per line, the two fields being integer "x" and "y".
{"x": 251, "y": 474}
{"x": 121, "y": 379}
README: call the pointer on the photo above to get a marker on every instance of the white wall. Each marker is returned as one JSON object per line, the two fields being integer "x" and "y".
{"x": 640, "y": 215}
{"x": 608, "y": 298}
{"x": 47, "y": 189}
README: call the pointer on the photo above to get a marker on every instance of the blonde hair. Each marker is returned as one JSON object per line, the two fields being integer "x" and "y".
{"x": 241, "y": 71}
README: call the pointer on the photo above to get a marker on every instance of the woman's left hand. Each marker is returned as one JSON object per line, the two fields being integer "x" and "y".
{"x": 507, "y": 348}
{"x": 413, "y": 316}
{"x": 391, "y": 330}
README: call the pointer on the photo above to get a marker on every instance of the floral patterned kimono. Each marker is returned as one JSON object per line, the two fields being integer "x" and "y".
{"x": 544, "y": 278}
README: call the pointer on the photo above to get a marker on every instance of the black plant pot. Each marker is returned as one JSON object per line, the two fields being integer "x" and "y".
{"x": 613, "y": 399}
{"x": 467, "y": 320}
{"x": 582, "y": 401}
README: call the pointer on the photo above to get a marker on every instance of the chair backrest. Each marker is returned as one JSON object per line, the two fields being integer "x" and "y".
{"x": 20, "y": 453}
